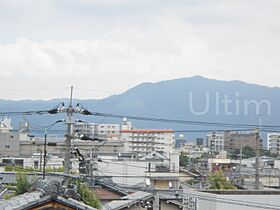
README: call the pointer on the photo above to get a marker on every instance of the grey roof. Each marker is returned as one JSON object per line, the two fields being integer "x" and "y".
{"x": 32, "y": 199}
{"x": 154, "y": 155}
{"x": 19, "y": 201}
{"x": 128, "y": 200}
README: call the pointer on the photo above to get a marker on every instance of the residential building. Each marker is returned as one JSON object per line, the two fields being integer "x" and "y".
{"x": 163, "y": 176}
{"x": 84, "y": 128}
{"x": 180, "y": 141}
{"x": 46, "y": 195}
{"x": 199, "y": 142}
{"x": 131, "y": 170}
{"x": 215, "y": 164}
{"x": 106, "y": 131}
{"x": 109, "y": 131}
{"x": 236, "y": 140}
{"x": 57, "y": 146}
{"x": 144, "y": 141}
{"x": 215, "y": 141}
{"x": 273, "y": 142}
{"x": 10, "y": 143}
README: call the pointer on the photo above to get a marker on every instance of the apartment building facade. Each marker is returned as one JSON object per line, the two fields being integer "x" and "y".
{"x": 106, "y": 131}
{"x": 144, "y": 141}
{"x": 215, "y": 141}
{"x": 273, "y": 143}
{"x": 237, "y": 140}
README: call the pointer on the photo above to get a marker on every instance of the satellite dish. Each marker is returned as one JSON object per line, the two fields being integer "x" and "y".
{"x": 170, "y": 184}
{"x": 148, "y": 181}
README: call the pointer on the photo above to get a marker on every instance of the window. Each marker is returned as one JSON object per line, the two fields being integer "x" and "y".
{"x": 7, "y": 146}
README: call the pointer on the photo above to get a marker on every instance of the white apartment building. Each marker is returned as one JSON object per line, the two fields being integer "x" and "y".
{"x": 84, "y": 128}
{"x": 273, "y": 142}
{"x": 215, "y": 141}
{"x": 107, "y": 131}
{"x": 144, "y": 141}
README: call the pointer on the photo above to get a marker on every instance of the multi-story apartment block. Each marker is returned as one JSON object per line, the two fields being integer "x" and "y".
{"x": 215, "y": 141}
{"x": 84, "y": 128}
{"x": 109, "y": 131}
{"x": 236, "y": 140}
{"x": 273, "y": 142}
{"x": 144, "y": 141}
{"x": 106, "y": 131}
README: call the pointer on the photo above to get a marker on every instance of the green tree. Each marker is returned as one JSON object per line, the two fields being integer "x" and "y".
{"x": 22, "y": 183}
{"x": 248, "y": 152}
{"x": 219, "y": 182}
{"x": 183, "y": 159}
{"x": 88, "y": 196}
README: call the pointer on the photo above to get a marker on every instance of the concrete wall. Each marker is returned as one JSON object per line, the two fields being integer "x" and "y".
{"x": 164, "y": 205}
{"x": 9, "y": 144}
{"x": 28, "y": 148}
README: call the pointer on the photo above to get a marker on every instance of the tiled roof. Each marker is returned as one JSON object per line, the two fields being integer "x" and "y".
{"x": 128, "y": 200}
{"x": 33, "y": 199}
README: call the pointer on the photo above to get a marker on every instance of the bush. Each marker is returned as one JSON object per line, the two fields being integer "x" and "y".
{"x": 22, "y": 183}
{"x": 88, "y": 196}
{"x": 219, "y": 182}
{"x": 183, "y": 159}
{"x": 8, "y": 196}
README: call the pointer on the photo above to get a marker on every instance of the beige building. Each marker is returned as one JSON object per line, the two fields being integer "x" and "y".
{"x": 235, "y": 140}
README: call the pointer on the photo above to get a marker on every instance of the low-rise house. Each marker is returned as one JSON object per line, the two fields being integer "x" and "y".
{"x": 46, "y": 195}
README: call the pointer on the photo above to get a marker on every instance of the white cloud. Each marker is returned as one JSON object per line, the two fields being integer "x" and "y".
{"x": 113, "y": 50}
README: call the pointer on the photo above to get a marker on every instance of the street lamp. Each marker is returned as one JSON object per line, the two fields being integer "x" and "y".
{"x": 45, "y": 145}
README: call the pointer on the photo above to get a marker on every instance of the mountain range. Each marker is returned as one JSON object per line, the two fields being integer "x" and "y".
{"x": 194, "y": 98}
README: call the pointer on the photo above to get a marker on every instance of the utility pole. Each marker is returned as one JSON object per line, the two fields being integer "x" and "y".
{"x": 69, "y": 121}
{"x": 45, "y": 155}
{"x": 257, "y": 175}
{"x": 45, "y": 146}
{"x": 240, "y": 165}
{"x": 40, "y": 160}
{"x": 156, "y": 203}
{"x": 70, "y": 110}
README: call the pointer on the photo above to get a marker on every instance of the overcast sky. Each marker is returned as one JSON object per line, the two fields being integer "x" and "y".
{"x": 104, "y": 47}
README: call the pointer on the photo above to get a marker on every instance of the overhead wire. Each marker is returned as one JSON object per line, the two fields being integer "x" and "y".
{"x": 180, "y": 121}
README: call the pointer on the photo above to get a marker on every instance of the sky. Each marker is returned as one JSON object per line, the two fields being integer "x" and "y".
{"x": 104, "y": 47}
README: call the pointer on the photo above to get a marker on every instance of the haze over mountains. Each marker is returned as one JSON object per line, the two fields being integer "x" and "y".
{"x": 195, "y": 98}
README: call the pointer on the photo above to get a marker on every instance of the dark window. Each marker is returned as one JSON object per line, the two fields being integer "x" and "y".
{"x": 19, "y": 162}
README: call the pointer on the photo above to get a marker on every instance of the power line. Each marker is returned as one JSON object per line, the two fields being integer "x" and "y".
{"x": 180, "y": 121}
{"x": 39, "y": 112}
